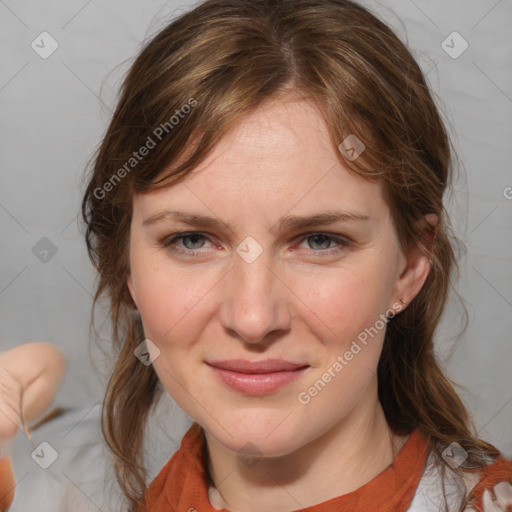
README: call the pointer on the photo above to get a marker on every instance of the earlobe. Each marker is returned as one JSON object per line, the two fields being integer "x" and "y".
{"x": 413, "y": 277}
{"x": 418, "y": 262}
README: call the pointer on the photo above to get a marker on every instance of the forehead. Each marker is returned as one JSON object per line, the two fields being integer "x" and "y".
{"x": 281, "y": 155}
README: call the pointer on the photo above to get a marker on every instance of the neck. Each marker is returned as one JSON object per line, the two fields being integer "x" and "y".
{"x": 339, "y": 461}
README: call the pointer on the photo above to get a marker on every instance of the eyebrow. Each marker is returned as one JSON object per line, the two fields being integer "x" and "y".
{"x": 287, "y": 222}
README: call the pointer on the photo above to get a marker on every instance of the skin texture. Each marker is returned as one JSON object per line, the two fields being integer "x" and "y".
{"x": 29, "y": 378}
{"x": 303, "y": 299}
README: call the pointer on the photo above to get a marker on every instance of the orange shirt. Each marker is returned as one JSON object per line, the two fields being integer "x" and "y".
{"x": 181, "y": 485}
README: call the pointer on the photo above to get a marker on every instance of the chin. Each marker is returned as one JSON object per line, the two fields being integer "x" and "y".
{"x": 264, "y": 433}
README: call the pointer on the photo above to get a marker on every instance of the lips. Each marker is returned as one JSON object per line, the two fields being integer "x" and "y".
{"x": 264, "y": 366}
{"x": 257, "y": 377}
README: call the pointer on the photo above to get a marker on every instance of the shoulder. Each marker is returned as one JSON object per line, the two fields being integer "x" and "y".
{"x": 492, "y": 491}
{"x": 499, "y": 499}
{"x": 489, "y": 488}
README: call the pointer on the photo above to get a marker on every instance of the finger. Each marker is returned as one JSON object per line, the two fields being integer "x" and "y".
{"x": 503, "y": 492}
{"x": 489, "y": 504}
{"x": 10, "y": 405}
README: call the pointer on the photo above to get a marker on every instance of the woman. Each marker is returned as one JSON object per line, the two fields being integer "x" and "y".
{"x": 266, "y": 215}
{"x": 266, "y": 211}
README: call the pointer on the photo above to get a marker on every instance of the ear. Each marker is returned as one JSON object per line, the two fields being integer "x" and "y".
{"x": 415, "y": 265}
{"x": 129, "y": 283}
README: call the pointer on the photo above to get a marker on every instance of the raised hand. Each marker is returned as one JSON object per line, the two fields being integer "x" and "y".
{"x": 29, "y": 378}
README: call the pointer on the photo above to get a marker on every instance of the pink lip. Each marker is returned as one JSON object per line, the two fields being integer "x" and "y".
{"x": 258, "y": 377}
{"x": 264, "y": 366}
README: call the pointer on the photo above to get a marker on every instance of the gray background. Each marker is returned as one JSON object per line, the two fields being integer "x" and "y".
{"x": 54, "y": 112}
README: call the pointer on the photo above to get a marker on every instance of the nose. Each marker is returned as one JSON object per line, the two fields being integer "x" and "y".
{"x": 255, "y": 303}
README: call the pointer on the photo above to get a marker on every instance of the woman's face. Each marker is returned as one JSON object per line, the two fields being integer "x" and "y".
{"x": 268, "y": 277}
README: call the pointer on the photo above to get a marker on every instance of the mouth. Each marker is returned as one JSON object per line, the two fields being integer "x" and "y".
{"x": 263, "y": 366}
{"x": 257, "y": 377}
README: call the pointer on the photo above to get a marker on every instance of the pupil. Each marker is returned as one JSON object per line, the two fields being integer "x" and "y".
{"x": 194, "y": 240}
{"x": 325, "y": 238}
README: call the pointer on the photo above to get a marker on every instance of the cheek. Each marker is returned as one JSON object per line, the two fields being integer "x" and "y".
{"x": 170, "y": 305}
{"x": 344, "y": 301}
{"x": 167, "y": 298}
{"x": 347, "y": 309}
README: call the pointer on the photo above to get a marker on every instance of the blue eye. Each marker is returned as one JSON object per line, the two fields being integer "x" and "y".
{"x": 193, "y": 243}
{"x": 320, "y": 239}
{"x": 169, "y": 243}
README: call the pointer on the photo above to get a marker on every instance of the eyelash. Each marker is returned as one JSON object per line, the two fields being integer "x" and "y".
{"x": 168, "y": 243}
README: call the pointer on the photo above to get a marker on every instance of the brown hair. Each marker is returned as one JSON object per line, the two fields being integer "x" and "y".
{"x": 222, "y": 60}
